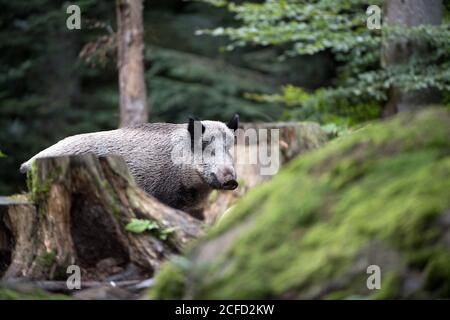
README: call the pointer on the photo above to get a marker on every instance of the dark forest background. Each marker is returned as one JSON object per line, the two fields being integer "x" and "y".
{"x": 48, "y": 91}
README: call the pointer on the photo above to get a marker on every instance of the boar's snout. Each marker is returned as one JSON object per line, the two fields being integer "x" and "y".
{"x": 230, "y": 185}
{"x": 225, "y": 179}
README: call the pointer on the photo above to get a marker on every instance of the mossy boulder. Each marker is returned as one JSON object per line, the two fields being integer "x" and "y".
{"x": 378, "y": 196}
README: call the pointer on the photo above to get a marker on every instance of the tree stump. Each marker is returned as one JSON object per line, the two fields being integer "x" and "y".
{"x": 78, "y": 212}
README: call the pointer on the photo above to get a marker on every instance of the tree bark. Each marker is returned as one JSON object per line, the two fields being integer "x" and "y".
{"x": 409, "y": 13}
{"x": 130, "y": 46}
{"x": 80, "y": 209}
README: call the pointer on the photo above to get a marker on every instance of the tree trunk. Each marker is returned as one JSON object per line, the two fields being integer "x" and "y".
{"x": 409, "y": 13}
{"x": 78, "y": 213}
{"x": 130, "y": 46}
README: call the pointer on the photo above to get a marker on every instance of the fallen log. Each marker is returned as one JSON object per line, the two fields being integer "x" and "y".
{"x": 78, "y": 212}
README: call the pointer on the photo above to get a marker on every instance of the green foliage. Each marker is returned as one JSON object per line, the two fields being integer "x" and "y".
{"x": 142, "y": 225}
{"x": 324, "y": 105}
{"x": 379, "y": 195}
{"x": 333, "y": 130}
{"x": 311, "y": 27}
{"x": 183, "y": 84}
{"x": 165, "y": 233}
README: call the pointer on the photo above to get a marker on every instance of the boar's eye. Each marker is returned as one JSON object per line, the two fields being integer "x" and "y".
{"x": 206, "y": 143}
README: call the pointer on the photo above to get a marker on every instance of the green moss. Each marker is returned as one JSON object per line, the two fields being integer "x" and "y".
{"x": 29, "y": 294}
{"x": 437, "y": 275}
{"x": 388, "y": 182}
{"x": 115, "y": 208}
{"x": 48, "y": 258}
{"x": 38, "y": 189}
{"x": 390, "y": 288}
{"x": 172, "y": 280}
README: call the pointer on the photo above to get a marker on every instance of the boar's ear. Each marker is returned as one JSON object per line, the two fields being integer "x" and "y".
{"x": 192, "y": 123}
{"x": 234, "y": 122}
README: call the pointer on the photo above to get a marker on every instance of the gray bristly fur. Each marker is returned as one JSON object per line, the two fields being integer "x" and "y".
{"x": 147, "y": 151}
